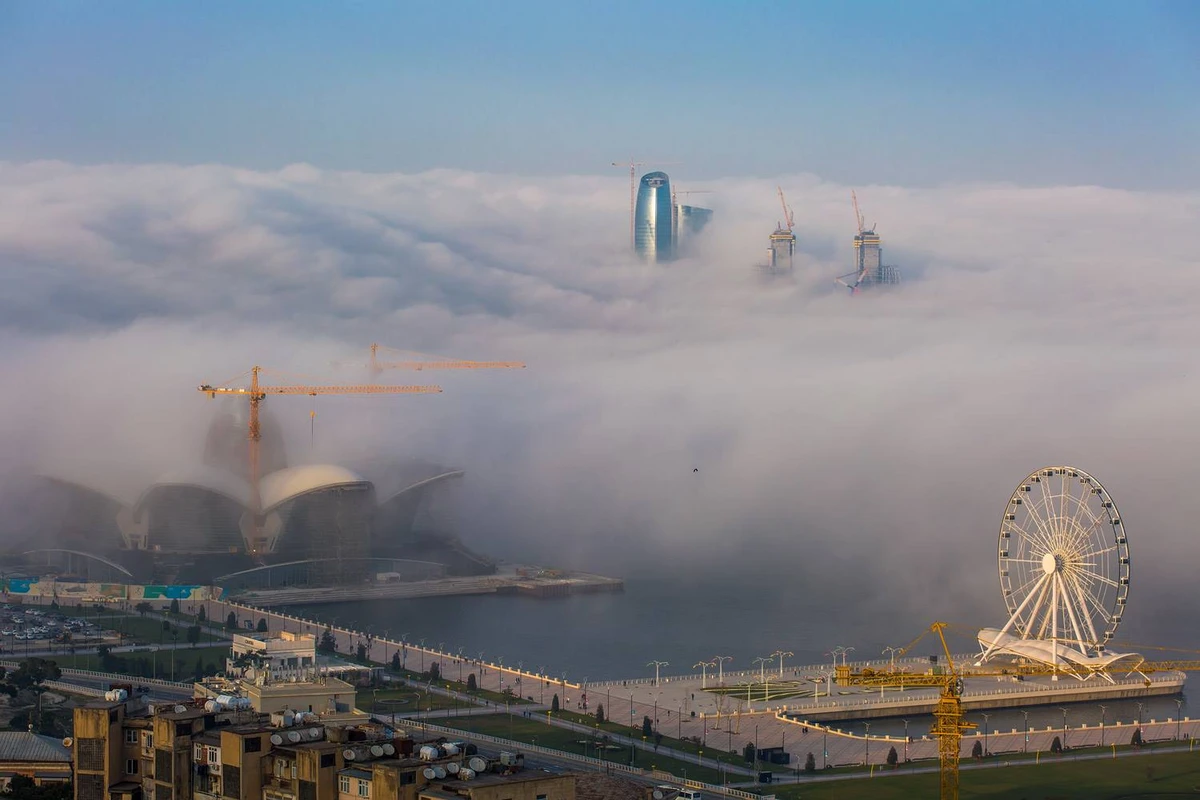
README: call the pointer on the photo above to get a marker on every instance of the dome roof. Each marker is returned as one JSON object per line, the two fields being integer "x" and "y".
{"x": 201, "y": 476}
{"x": 284, "y": 484}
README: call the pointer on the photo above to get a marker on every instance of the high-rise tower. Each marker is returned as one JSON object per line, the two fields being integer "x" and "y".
{"x": 654, "y": 219}
{"x": 782, "y": 252}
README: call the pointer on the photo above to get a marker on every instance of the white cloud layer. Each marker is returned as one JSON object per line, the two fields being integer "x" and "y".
{"x": 864, "y": 446}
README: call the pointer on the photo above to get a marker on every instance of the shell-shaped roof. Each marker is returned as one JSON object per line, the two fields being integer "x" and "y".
{"x": 1044, "y": 651}
{"x": 202, "y": 476}
{"x": 285, "y": 484}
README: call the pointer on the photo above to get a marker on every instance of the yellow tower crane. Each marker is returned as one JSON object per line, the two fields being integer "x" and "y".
{"x": 949, "y": 724}
{"x": 256, "y": 392}
{"x": 421, "y": 361}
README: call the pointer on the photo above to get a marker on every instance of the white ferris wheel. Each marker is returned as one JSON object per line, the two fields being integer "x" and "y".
{"x": 1064, "y": 566}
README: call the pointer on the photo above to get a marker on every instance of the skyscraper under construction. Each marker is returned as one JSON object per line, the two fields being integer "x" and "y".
{"x": 869, "y": 269}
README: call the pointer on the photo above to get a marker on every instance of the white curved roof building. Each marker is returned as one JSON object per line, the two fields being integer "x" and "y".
{"x": 1063, "y": 653}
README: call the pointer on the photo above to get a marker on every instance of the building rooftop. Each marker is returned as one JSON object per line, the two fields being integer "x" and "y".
{"x": 27, "y": 746}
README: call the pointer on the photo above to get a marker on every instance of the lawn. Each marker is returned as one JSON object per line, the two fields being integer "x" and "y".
{"x": 535, "y": 730}
{"x": 141, "y": 663}
{"x": 1161, "y": 776}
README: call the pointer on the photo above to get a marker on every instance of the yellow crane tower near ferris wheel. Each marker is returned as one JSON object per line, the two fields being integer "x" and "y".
{"x": 949, "y": 725}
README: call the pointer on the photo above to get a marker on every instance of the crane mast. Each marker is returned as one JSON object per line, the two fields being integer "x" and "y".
{"x": 949, "y": 725}
{"x": 787, "y": 211}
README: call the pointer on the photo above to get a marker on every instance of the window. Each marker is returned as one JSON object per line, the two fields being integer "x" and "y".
{"x": 131, "y": 736}
{"x": 344, "y": 784}
{"x": 328, "y": 760}
{"x": 214, "y": 755}
{"x": 253, "y": 745}
{"x": 148, "y": 741}
{"x": 198, "y": 753}
{"x": 364, "y": 788}
{"x": 131, "y": 766}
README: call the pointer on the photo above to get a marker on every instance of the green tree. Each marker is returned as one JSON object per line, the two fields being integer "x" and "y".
{"x": 554, "y": 703}
{"x": 435, "y": 671}
{"x": 193, "y": 634}
{"x": 143, "y": 608}
{"x": 262, "y": 625}
{"x": 327, "y": 643}
{"x": 1136, "y": 741}
{"x": 231, "y": 622}
{"x": 23, "y": 788}
{"x": 892, "y": 757}
{"x": 361, "y": 652}
{"x": 30, "y": 676}
{"x": 977, "y": 750}
{"x": 396, "y": 661}
{"x": 174, "y": 609}
{"x": 647, "y": 726}
{"x": 810, "y": 764}
{"x": 472, "y": 684}
{"x": 600, "y": 713}
{"x": 748, "y": 753}
{"x": 198, "y": 674}
{"x": 202, "y": 615}
{"x": 1055, "y": 746}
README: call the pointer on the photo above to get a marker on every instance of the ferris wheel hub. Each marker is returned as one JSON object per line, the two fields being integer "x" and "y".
{"x": 1053, "y": 562}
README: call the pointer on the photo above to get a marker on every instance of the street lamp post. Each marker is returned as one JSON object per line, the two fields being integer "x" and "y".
{"x": 986, "y": 717}
{"x": 782, "y": 654}
{"x": 721, "y": 668}
{"x": 1139, "y": 705}
{"x": 1064, "y": 739}
{"x": 867, "y": 739}
{"x": 845, "y": 652}
{"x": 703, "y": 665}
{"x": 1103, "y": 714}
{"x": 657, "y": 666}
{"x": 1178, "y": 714}
{"x": 762, "y": 668}
{"x": 1026, "y": 715}
{"x": 892, "y": 652}
{"x": 905, "y": 741}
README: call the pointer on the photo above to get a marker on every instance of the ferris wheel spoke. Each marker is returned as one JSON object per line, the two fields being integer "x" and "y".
{"x": 1039, "y": 538}
{"x": 1102, "y": 613}
{"x": 1035, "y": 579}
{"x": 1048, "y": 505}
{"x": 1069, "y": 604}
{"x": 1084, "y": 537}
{"x": 1101, "y": 608}
{"x": 1035, "y": 541}
{"x": 1084, "y": 508}
{"x": 1083, "y": 607}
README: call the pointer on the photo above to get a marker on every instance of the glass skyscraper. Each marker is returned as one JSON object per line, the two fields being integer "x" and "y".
{"x": 654, "y": 237}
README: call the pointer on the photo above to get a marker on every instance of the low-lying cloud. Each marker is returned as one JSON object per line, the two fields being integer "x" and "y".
{"x": 692, "y": 416}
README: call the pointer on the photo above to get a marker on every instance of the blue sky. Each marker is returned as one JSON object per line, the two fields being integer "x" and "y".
{"x": 859, "y": 92}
